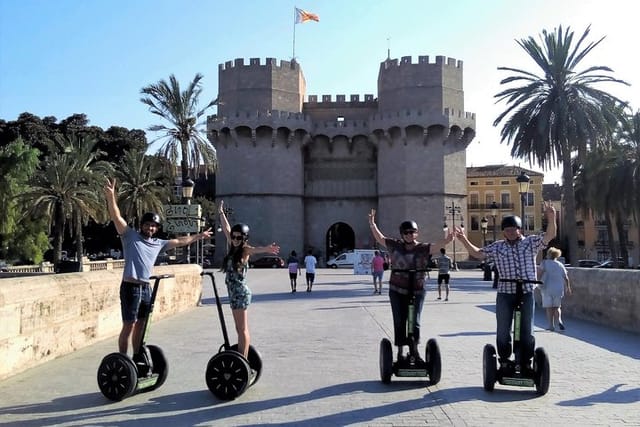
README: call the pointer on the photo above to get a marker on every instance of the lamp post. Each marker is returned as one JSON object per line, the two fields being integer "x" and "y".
{"x": 187, "y": 194}
{"x": 494, "y": 213}
{"x": 523, "y": 188}
{"x": 483, "y": 228}
{"x": 452, "y": 210}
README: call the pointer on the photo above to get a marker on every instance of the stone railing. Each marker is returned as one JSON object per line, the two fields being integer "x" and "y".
{"x": 610, "y": 297}
{"x": 47, "y": 316}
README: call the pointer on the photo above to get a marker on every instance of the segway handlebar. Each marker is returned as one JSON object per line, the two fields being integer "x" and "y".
{"x": 161, "y": 276}
{"x": 410, "y": 270}
{"x": 539, "y": 282}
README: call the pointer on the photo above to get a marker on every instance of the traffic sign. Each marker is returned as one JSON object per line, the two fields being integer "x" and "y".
{"x": 182, "y": 211}
{"x": 182, "y": 225}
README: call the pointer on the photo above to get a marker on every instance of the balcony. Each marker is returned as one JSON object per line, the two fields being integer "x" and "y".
{"x": 487, "y": 206}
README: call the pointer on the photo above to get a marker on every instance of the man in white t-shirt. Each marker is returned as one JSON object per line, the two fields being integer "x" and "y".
{"x": 310, "y": 266}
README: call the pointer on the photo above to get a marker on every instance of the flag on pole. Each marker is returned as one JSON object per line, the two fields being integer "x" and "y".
{"x": 304, "y": 16}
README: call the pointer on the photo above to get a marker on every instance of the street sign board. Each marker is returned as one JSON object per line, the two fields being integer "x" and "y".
{"x": 182, "y": 211}
{"x": 182, "y": 225}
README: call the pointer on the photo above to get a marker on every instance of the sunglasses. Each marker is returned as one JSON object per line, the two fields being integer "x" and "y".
{"x": 238, "y": 238}
{"x": 405, "y": 232}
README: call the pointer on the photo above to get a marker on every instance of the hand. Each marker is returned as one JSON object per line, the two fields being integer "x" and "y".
{"x": 372, "y": 217}
{"x": 110, "y": 187}
{"x": 549, "y": 210}
{"x": 221, "y": 207}
{"x": 206, "y": 234}
{"x": 458, "y": 232}
{"x": 274, "y": 249}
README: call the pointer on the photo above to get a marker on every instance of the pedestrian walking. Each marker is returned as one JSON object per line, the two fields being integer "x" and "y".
{"x": 310, "y": 263}
{"x": 377, "y": 271}
{"x": 555, "y": 282}
{"x": 293, "y": 264}
{"x": 444, "y": 266}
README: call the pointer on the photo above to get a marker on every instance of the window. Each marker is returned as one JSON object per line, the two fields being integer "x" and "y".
{"x": 530, "y": 199}
{"x": 475, "y": 224}
{"x": 488, "y": 183}
{"x": 473, "y": 200}
{"x": 504, "y": 182}
{"x": 489, "y": 198}
{"x": 505, "y": 199}
{"x": 473, "y": 183}
{"x": 530, "y": 223}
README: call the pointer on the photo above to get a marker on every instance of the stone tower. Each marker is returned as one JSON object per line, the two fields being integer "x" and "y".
{"x": 306, "y": 174}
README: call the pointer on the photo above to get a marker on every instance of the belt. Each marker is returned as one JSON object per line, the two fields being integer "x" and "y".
{"x": 138, "y": 284}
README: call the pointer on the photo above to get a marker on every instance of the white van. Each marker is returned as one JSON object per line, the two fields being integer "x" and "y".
{"x": 344, "y": 260}
{"x": 359, "y": 260}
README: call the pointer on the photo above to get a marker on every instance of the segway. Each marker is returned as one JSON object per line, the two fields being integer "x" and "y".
{"x": 411, "y": 365}
{"x": 516, "y": 373}
{"x": 120, "y": 376}
{"x": 229, "y": 373}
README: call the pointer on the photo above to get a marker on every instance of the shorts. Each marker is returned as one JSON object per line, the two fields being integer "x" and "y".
{"x": 443, "y": 278}
{"x": 549, "y": 301}
{"x": 377, "y": 274}
{"x": 293, "y": 275}
{"x": 135, "y": 301}
{"x": 239, "y": 296}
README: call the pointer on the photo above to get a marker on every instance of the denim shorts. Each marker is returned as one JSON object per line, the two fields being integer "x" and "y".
{"x": 377, "y": 274}
{"x": 135, "y": 300}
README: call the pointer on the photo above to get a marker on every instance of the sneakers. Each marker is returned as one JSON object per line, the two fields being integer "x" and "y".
{"x": 446, "y": 299}
{"x": 438, "y": 298}
{"x": 561, "y": 326}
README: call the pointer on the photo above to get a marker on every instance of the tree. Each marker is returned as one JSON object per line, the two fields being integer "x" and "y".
{"x": 67, "y": 191}
{"x": 551, "y": 116}
{"x": 17, "y": 163}
{"x": 142, "y": 185}
{"x": 184, "y": 139}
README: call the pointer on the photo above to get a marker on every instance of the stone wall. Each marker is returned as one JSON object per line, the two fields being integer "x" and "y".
{"x": 42, "y": 318}
{"x": 609, "y": 297}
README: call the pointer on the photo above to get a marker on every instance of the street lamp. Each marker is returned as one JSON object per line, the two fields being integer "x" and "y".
{"x": 453, "y": 210}
{"x": 483, "y": 228}
{"x": 187, "y": 194}
{"x": 523, "y": 188}
{"x": 494, "y": 213}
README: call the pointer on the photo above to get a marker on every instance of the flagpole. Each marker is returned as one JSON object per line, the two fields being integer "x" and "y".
{"x": 293, "y": 58}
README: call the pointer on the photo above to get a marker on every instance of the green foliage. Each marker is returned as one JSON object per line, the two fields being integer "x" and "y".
{"x": 183, "y": 137}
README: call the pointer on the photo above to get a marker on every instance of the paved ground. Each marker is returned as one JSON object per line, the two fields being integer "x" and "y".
{"x": 320, "y": 354}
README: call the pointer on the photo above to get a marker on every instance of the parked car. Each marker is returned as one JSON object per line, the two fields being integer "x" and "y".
{"x": 588, "y": 263}
{"x": 269, "y": 261}
{"x": 612, "y": 264}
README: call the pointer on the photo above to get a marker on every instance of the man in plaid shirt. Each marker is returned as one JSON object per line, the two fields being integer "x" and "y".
{"x": 515, "y": 258}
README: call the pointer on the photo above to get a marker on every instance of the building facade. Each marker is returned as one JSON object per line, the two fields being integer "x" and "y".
{"x": 498, "y": 183}
{"x": 306, "y": 173}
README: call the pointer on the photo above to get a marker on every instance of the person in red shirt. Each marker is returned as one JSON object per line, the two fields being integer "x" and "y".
{"x": 377, "y": 270}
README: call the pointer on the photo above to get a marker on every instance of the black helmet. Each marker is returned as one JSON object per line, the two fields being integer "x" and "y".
{"x": 150, "y": 217}
{"x": 242, "y": 229}
{"x": 408, "y": 225}
{"x": 511, "y": 221}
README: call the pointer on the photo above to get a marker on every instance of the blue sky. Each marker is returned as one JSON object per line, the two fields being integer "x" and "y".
{"x": 63, "y": 57}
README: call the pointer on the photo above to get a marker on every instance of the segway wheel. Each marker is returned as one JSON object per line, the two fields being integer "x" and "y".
{"x": 542, "y": 371}
{"x": 434, "y": 361}
{"x": 489, "y": 367}
{"x": 255, "y": 362}
{"x": 386, "y": 361}
{"x": 117, "y": 376}
{"x": 228, "y": 374}
{"x": 160, "y": 366}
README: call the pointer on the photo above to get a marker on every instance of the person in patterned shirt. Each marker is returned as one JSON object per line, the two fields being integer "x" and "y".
{"x": 406, "y": 253}
{"x": 515, "y": 258}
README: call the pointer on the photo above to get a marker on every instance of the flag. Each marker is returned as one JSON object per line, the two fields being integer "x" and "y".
{"x": 304, "y": 16}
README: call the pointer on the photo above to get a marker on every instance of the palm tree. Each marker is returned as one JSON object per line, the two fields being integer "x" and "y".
{"x": 552, "y": 115}
{"x": 141, "y": 186}
{"x": 66, "y": 190}
{"x": 184, "y": 139}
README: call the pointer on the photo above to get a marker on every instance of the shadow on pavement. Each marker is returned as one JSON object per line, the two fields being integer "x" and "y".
{"x": 611, "y": 395}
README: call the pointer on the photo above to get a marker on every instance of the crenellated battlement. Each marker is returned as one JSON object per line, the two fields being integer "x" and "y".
{"x": 341, "y": 100}
{"x": 419, "y": 114}
{"x": 261, "y": 117}
{"x": 270, "y": 63}
{"x": 423, "y": 60}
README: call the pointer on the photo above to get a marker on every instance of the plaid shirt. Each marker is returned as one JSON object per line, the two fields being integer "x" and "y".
{"x": 516, "y": 260}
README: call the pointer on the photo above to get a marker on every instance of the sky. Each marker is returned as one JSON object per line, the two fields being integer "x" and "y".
{"x": 63, "y": 57}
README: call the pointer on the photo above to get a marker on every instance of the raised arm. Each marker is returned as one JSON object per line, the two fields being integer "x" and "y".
{"x": 377, "y": 234}
{"x": 112, "y": 206}
{"x": 473, "y": 250}
{"x": 271, "y": 249}
{"x": 187, "y": 240}
{"x": 552, "y": 228}
{"x": 435, "y": 247}
{"x": 224, "y": 223}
